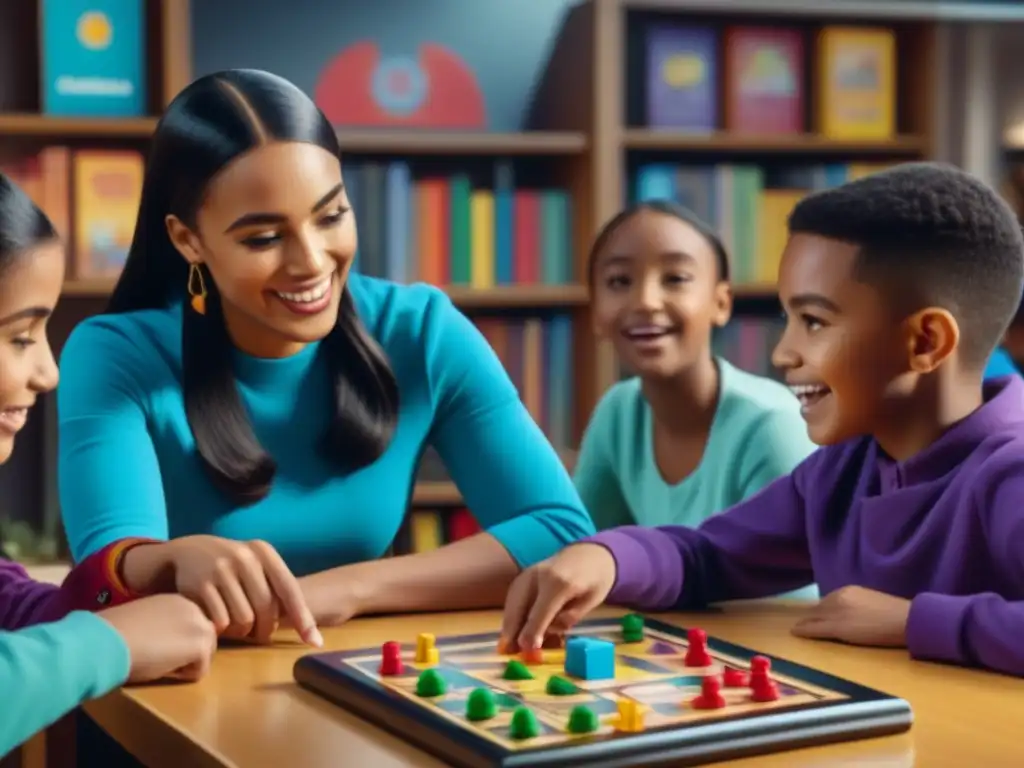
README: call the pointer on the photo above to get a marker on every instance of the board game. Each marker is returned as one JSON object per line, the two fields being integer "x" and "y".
{"x": 617, "y": 692}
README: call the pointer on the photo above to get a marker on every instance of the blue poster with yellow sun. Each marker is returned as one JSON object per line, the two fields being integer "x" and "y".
{"x": 93, "y": 58}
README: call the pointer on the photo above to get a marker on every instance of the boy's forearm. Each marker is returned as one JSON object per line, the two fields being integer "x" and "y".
{"x": 971, "y": 630}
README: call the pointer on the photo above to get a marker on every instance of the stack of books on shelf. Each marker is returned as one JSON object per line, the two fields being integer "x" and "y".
{"x": 92, "y": 196}
{"x": 753, "y": 79}
{"x": 458, "y": 229}
{"x": 748, "y": 205}
{"x": 426, "y": 529}
{"x": 747, "y": 342}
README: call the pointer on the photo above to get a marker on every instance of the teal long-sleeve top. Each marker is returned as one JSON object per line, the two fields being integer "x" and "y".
{"x": 128, "y": 465}
{"x": 49, "y": 669}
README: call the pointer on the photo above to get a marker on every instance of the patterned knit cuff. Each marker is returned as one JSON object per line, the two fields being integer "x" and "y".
{"x": 97, "y": 582}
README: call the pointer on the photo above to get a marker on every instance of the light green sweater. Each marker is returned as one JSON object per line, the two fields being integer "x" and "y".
{"x": 49, "y": 669}
{"x": 757, "y": 435}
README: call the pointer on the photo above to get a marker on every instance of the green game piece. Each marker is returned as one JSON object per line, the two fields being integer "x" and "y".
{"x": 481, "y": 705}
{"x": 633, "y": 628}
{"x": 516, "y": 670}
{"x": 559, "y": 686}
{"x": 582, "y": 720}
{"x": 524, "y": 724}
{"x": 430, "y": 684}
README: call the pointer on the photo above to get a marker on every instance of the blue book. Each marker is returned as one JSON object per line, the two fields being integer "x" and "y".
{"x": 93, "y": 58}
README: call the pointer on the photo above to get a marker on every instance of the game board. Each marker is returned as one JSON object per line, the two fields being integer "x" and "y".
{"x": 652, "y": 683}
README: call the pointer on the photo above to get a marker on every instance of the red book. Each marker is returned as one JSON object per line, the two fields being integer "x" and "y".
{"x": 764, "y": 80}
{"x": 527, "y": 251}
{"x": 461, "y": 524}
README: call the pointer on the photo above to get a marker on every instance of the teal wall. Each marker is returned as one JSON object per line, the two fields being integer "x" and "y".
{"x": 505, "y": 42}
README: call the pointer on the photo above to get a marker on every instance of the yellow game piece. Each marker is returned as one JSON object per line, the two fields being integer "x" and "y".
{"x": 426, "y": 651}
{"x": 631, "y": 717}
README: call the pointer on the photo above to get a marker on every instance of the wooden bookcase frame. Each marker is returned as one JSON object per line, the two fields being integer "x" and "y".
{"x": 577, "y": 123}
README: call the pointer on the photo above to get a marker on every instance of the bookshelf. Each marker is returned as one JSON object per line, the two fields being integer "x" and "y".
{"x": 594, "y": 82}
{"x": 550, "y": 158}
{"x": 584, "y": 134}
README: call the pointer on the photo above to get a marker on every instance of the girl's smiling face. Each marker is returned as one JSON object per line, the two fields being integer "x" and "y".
{"x": 30, "y": 286}
{"x": 657, "y": 293}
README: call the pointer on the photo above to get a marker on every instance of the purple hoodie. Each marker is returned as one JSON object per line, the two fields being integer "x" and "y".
{"x": 944, "y": 529}
{"x": 24, "y": 602}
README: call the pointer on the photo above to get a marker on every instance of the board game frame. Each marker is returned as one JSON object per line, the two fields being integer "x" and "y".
{"x": 861, "y": 713}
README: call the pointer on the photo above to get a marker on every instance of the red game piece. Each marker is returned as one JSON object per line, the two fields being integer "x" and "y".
{"x": 697, "y": 649}
{"x": 710, "y": 694}
{"x": 533, "y": 656}
{"x": 762, "y": 688}
{"x": 735, "y": 678}
{"x": 391, "y": 659}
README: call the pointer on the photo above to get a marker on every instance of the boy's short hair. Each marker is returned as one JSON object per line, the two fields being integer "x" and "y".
{"x": 948, "y": 239}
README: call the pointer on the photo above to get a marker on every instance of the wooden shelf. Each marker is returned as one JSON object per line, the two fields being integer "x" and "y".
{"x": 506, "y": 296}
{"x": 462, "y": 142}
{"x": 436, "y": 494}
{"x": 646, "y": 139}
{"x": 352, "y": 140}
{"x": 30, "y": 125}
{"x": 754, "y": 291}
{"x": 526, "y": 296}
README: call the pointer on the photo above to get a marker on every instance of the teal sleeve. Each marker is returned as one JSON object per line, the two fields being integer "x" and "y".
{"x": 108, "y": 474}
{"x": 776, "y": 446}
{"x": 596, "y": 480}
{"x": 506, "y": 470}
{"x": 49, "y": 669}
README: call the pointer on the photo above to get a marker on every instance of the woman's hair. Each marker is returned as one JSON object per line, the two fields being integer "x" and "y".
{"x": 23, "y": 225}
{"x": 668, "y": 208}
{"x": 214, "y": 120}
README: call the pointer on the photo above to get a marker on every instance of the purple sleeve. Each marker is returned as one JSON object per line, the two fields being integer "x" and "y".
{"x": 984, "y": 629}
{"x": 24, "y": 602}
{"x": 754, "y": 549}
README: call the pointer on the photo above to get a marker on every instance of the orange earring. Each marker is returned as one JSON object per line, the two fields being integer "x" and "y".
{"x": 197, "y": 289}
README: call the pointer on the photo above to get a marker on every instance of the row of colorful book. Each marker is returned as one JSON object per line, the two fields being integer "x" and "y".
{"x": 454, "y": 230}
{"x": 748, "y": 205}
{"x": 748, "y": 342}
{"x": 91, "y": 195}
{"x": 753, "y": 79}
{"x": 426, "y": 529}
{"x": 537, "y": 353}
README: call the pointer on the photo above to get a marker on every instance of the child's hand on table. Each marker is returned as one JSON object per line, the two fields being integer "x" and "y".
{"x": 166, "y": 635}
{"x": 858, "y": 616}
{"x": 552, "y": 596}
{"x": 245, "y": 587}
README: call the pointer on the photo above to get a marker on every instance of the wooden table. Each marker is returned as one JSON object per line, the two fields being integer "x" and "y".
{"x": 250, "y": 714}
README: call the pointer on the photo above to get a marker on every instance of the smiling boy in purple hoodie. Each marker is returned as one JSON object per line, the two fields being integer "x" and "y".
{"x": 896, "y": 287}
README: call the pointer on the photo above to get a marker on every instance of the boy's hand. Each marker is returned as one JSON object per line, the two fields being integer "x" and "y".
{"x": 858, "y": 616}
{"x": 166, "y": 635}
{"x": 552, "y": 596}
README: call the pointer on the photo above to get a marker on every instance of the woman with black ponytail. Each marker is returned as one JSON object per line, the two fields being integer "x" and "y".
{"x": 247, "y": 418}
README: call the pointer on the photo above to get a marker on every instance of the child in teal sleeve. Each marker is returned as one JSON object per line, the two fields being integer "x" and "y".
{"x": 690, "y": 435}
{"x": 54, "y": 654}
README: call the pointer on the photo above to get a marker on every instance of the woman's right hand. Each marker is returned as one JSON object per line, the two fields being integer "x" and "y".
{"x": 244, "y": 587}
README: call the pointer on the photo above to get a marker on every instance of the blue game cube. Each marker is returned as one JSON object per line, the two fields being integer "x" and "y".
{"x": 589, "y": 659}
